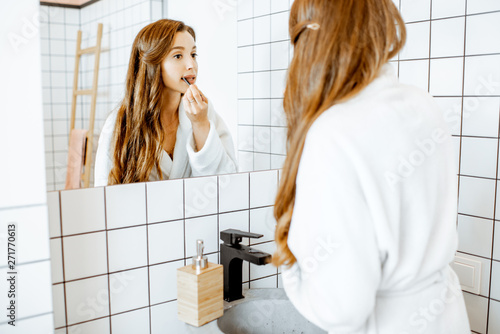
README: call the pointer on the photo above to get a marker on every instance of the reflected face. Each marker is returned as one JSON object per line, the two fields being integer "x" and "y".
{"x": 180, "y": 63}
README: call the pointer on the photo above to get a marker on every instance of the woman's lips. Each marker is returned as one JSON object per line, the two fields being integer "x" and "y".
{"x": 191, "y": 79}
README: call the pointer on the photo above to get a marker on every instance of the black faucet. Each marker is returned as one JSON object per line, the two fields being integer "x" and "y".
{"x": 232, "y": 256}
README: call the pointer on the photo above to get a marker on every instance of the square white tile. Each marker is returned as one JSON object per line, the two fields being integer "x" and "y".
{"x": 278, "y": 140}
{"x": 496, "y": 241}
{"x": 277, "y": 161}
{"x": 91, "y": 327}
{"x": 415, "y": 73}
{"x": 59, "y": 305}
{"x": 245, "y": 32}
{"x": 129, "y": 290}
{"x": 262, "y": 139}
{"x": 201, "y": 196}
{"x": 256, "y": 271}
{"x": 481, "y": 116}
{"x": 278, "y": 83}
{"x": 245, "y": 86}
{"x": 262, "y": 29}
{"x": 264, "y": 283}
{"x": 262, "y": 112}
{"x": 262, "y": 85}
{"x": 279, "y": 5}
{"x": 447, "y": 8}
{"x": 476, "y": 197}
{"x": 136, "y": 322}
{"x": 279, "y": 26}
{"x": 494, "y": 317}
{"x": 166, "y": 241}
{"x": 245, "y": 112}
{"x": 479, "y": 157}
{"x": 165, "y": 200}
{"x": 163, "y": 281}
{"x": 447, "y": 37}
{"x": 451, "y": 108}
{"x": 239, "y": 220}
{"x": 261, "y": 161}
{"x": 125, "y": 205}
{"x": 127, "y": 248}
{"x": 495, "y": 280}
{"x": 31, "y": 233}
{"x": 279, "y": 55}
{"x": 82, "y": 210}
{"x": 262, "y": 57}
{"x": 164, "y": 319}
{"x": 245, "y": 141}
{"x": 446, "y": 76}
{"x": 56, "y": 260}
{"x": 482, "y": 75}
{"x": 245, "y": 161}
{"x": 417, "y": 41}
{"x": 233, "y": 192}
{"x": 85, "y": 255}
{"x": 261, "y": 7}
{"x": 263, "y": 187}
{"x": 204, "y": 228}
{"x": 262, "y": 222}
{"x": 412, "y": 10}
{"x": 277, "y": 113}
{"x": 479, "y": 39}
{"x": 87, "y": 299}
{"x": 475, "y": 235}
{"x": 481, "y": 6}
{"x": 245, "y": 9}
{"x": 245, "y": 59}
{"x": 477, "y": 309}
{"x": 485, "y": 272}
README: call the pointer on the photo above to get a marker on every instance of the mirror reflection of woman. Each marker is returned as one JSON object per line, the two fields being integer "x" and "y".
{"x": 367, "y": 205}
{"x": 164, "y": 128}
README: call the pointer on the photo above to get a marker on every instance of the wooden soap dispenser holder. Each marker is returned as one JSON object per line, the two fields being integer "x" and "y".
{"x": 200, "y": 290}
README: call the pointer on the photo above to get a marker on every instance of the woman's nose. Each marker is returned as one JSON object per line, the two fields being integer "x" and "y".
{"x": 191, "y": 63}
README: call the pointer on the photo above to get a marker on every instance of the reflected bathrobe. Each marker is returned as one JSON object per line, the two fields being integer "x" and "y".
{"x": 216, "y": 157}
{"x": 374, "y": 222}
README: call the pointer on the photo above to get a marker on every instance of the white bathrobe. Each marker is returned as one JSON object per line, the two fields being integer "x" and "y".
{"x": 216, "y": 157}
{"x": 374, "y": 223}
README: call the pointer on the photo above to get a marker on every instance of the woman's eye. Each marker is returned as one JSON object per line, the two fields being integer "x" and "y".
{"x": 194, "y": 55}
{"x": 177, "y": 56}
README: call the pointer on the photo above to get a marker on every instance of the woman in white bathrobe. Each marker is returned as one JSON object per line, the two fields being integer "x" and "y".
{"x": 165, "y": 128}
{"x": 367, "y": 205}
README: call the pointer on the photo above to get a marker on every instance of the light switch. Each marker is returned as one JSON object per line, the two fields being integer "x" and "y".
{"x": 469, "y": 273}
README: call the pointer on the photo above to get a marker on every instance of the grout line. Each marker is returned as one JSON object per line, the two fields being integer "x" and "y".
{"x": 147, "y": 253}
{"x": 107, "y": 259}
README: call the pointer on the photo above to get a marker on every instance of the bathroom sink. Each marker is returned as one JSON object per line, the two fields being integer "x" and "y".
{"x": 264, "y": 311}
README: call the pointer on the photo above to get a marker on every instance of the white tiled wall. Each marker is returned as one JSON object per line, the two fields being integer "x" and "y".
{"x": 263, "y": 58}
{"x": 452, "y": 51}
{"x": 121, "y": 21}
{"x": 114, "y": 262}
{"x": 23, "y": 201}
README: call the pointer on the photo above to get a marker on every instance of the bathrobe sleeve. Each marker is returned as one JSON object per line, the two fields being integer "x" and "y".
{"x": 103, "y": 159}
{"x": 217, "y": 155}
{"x": 338, "y": 269}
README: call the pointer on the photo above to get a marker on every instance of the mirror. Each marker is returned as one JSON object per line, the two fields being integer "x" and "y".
{"x": 242, "y": 68}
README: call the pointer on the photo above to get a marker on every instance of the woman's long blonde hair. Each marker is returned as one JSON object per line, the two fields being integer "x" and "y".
{"x": 330, "y": 65}
{"x": 138, "y": 133}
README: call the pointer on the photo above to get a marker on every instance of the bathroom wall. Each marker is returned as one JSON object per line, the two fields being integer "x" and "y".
{"x": 115, "y": 249}
{"x": 121, "y": 21}
{"x": 264, "y": 53}
{"x": 453, "y": 52}
{"x": 23, "y": 201}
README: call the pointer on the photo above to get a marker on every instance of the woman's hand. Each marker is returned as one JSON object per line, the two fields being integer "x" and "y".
{"x": 196, "y": 106}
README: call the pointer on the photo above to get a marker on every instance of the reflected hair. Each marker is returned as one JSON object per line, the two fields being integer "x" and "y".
{"x": 138, "y": 133}
{"x": 339, "y": 48}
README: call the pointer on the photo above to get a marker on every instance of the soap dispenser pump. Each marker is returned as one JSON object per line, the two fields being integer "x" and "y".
{"x": 200, "y": 290}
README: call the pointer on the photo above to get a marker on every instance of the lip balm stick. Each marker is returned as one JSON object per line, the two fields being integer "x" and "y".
{"x": 185, "y": 80}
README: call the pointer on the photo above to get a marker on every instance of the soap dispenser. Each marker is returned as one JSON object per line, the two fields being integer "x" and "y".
{"x": 200, "y": 290}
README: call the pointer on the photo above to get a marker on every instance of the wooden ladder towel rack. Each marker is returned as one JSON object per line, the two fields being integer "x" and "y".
{"x": 96, "y": 50}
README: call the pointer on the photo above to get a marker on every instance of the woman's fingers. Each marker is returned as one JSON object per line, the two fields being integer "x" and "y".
{"x": 195, "y": 92}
